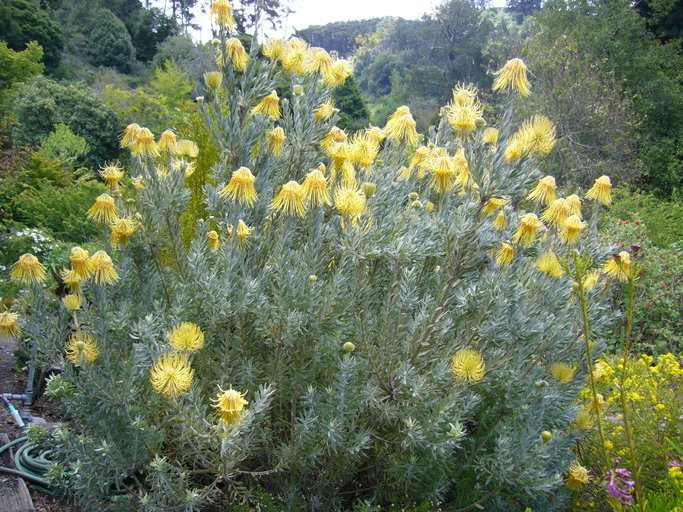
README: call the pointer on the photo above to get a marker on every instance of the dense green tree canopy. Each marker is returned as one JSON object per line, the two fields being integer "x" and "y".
{"x": 110, "y": 44}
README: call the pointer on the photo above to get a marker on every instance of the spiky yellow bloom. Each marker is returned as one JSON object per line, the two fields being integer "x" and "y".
{"x": 337, "y": 73}
{"x": 443, "y": 174}
{"x": 112, "y": 174}
{"x": 144, "y": 144}
{"x": 619, "y": 266}
{"x": 514, "y": 149}
{"x": 318, "y": 61}
{"x": 349, "y": 201}
{"x": 82, "y": 348}
{"x": 80, "y": 262}
{"x": 138, "y": 182}
{"x": 363, "y": 149}
{"x": 464, "y": 178}
{"x": 340, "y": 152}
{"x": 376, "y": 134}
{"x": 290, "y": 200}
{"x": 468, "y": 366}
{"x": 591, "y": 279}
{"x": 572, "y": 228}
{"x": 584, "y": 420}
{"x": 493, "y": 204}
{"x": 213, "y": 240}
{"x": 9, "y": 326}
{"x": 229, "y": 405}
{"x": 269, "y": 106}
{"x": 400, "y": 126}
{"x": 557, "y": 213}
{"x": 167, "y": 141}
{"x": 242, "y": 234}
{"x": 171, "y": 375}
{"x": 420, "y": 157}
{"x": 601, "y": 190}
{"x": 186, "y": 336}
{"x": 499, "y": 221}
{"x": 274, "y": 49}
{"x": 104, "y": 210}
{"x": 187, "y": 148}
{"x": 73, "y": 301}
{"x": 538, "y": 134}
{"x": 562, "y": 372}
{"x": 513, "y": 77}
{"x": 221, "y": 13}
{"x": 325, "y": 111}
{"x": 597, "y": 403}
{"x": 103, "y": 271}
{"x": 490, "y": 136}
{"x": 464, "y": 95}
{"x": 240, "y": 188}
{"x": 334, "y": 137}
{"x": 574, "y": 203}
{"x": 130, "y": 134}
{"x": 548, "y": 263}
{"x": 121, "y": 230}
{"x": 213, "y": 79}
{"x": 505, "y": 254}
{"x": 276, "y": 139}
{"x": 236, "y": 53}
{"x": 71, "y": 279}
{"x": 528, "y": 227}
{"x": 315, "y": 190}
{"x": 28, "y": 270}
{"x": 578, "y": 476}
{"x": 462, "y": 119}
{"x": 544, "y": 193}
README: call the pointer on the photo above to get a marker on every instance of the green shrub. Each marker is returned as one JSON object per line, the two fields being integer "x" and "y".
{"x": 109, "y": 43}
{"x": 64, "y": 145}
{"x": 16, "y": 66}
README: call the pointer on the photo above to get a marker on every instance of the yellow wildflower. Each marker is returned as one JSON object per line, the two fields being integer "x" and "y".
{"x": 596, "y": 403}
{"x": 315, "y": 190}
{"x": 401, "y": 126}
{"x": 28, "y": 270}
{"x": 618, "y": 266}
{"x": 544, "y": 193}
{"x": 468, "y": 366}
{"x": 318, "y": 61}
{"x": 213, "y": 240}
{"x": 73, "y": 301}
{"x": 325, "y": 111}
{"x": 80, "y": 262}
{"x": 186, "y": 336}
{"x": 420, "y": 157}
{"x": 82, "y": 348}
{"x": 572, "y": 227}
{"x": 9, "y": 326}
{"x": 167, "y": 141}
{"x": 527, "y": 230}
{"x": 214, "y": 79}
{"x": 584, "y": 420}
{"x": 601, "y": 190}
{"x": 236, "y": 53}
{"x": 229, "y": 405}
{"x": 129, "y": 134}
{"x": 121, "y": 230}
{"x": 103, "y": 271}
{"x": 368, "y": 188}
{"x": 538, "y": 134}
{"x": 443, "y": 174}
{"x": 269, "y": 106}
{"x": 462, "y": 118}
{"x": 171, "y": 375}
{"x": 240, "y": 188}
{"x": 556, "y": 214}
{"x": 290, "y": 200}
{"x": 499, "y": 221}
{"x": 104, "y": 210}
{"x": 144, "y": 144}
{"x": 337, "y": 73}
{"x": 187, "y": 148}
{"x": 221, "y": 13}
{"x": 562, "y": 372}
{"x": 112, "y": 174}
{"x": 505, "y": 254}
{"x": 490, "y": 136}
{"x": 548, "y": 263}
{"x": 274, "y": 49}
{"x": 276, "y": 139}
{"x": 591, "y": 279}
{"x": 578, "y": 476}
{"x": 242, "y": 234}
{"x": 363, "y": 149}
{"x": 574, "y": 203}
{"x": 349, "y": 201}
{"x": 71, "y": 279}
{"x": 513, "y": 77}
{"x": 376, "y": 134}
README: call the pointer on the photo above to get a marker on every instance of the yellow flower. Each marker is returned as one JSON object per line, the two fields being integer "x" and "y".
{"x": 514, "y": 149}
{"x": 490, "y": 136}
{"x": 462, "y": 116}
{"x": 544, "y": 193}
{"x": 430, "y": 207}
{"x": 72, "y": 302}
{"x": 376, "y": 134}
{"x": 121, "y": 230}
{"x": 499, "y": 221}
{"x": 538, "y": 134}
{"x": 591, "y": 279}
{"x": 401, "y": 126}
{"x": 71, "y": 279}
{"x": 584, "y": 420}
{"x": 28, "y": 270}
{"x": 618, "y": 266}
{"x": 294, "y": 56}
{"x": 290, "y": 200}
{"x": 236, "y": 53}
{"x": 420, "y": 157}
{"x": 337, "y": 73}
{"x": 9, "y": 327}
{"x": 243, "y": 232}
{"x": 468, "y": 365}
{"x": 104, "y": 210}
{"x": 556, "y": 214}
{"x": 318, "y": 61}
{"x": 572, "y": 227}
{"x": 463, "y": 95}
{"x": 240, "y": 188}
{"x": 526, "y": 232}
{"x": 601, "y": 190}
{"x": 186, "y": 336}
{"x": 269, "y": 106}
{"x": 505, "y": 254}
{"x": 334, "y": 137}
{"x": 562, "y": 372}
{"x": 229, "y": 405}
{"x": 138, "y": 182}
{"x": 112, "y": 174}
{"x": 596, "y": 403}
{"x": 273, "y": 49}
{"x": 443, "y": 174}
{"x": 167, "y": 141}
{"x": 103, "y": 271}
{"x": 464, "y": 178}
{"x": 144, "y": 144}
{"x": 221, "y": 13}
{"x": 315, "y": 190}
{"x": 276, "y": 139}
{"x": 349, "y": 201}
{"x": 513, "y": 77}
{"x": 213, "y": 240}
{"x": 171, "y": 375}
{"x": 213, "y": 79}
{"x": 80, "y": 263}
{"x": 363, "y": 149}
{"x": 187, "y": 148}
{"x": 130, "y": 134}
{"x": 548, "y": 263}
{"x": 574, "y": 203}
{"x": 578, "y": 476}
{"x": 325, "y": 111}
{"x": 82, "y": 348}
{"x": 349, "y": 347}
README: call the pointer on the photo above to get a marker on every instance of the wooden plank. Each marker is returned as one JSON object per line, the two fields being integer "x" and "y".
{"x": 14, "y": 495}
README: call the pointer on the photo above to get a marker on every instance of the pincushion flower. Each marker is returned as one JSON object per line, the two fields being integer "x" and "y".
{"x": 276, "y": 139}
{"x": 465, "y": 179}
{"x": 186, "y": 336}
{"x": 619, "y": 266}
{"x": 221, "y": 13}
{"x": 242, "y": 234}
{"x": 290, "y": 200}
{"x": 505, "y": 254}
{"x": 28, "y": 270}
{"x": 401, "y": 126}
{"x": 443, "y": 174}
{"x": 578, "y": 476}
{"x": 229, "y": 405}
{"x": 9, "y": 324}
{"x": 376, "y": 134}
{"x": 274, "y": 49}
{"x": 337, "y": 73}
{"x": 562, "y": 372}
{"x": 349, "y": 201}
{"x": 548, "y": 263}
{"x": 514, "y": 149}
{"x": 462, "y": 117}
{"x": 420, "y": 157}
{"x": 295, "y": 56}
{"x": 597, "y": 403}
{"x": 325, "y": 111}
{"x": 103, "y": 271}
{"x": 318, "y": 61}
{"x": 82, "y": 348}
{"x": 528, "y": 227}
{"x": 73, "y": 301}
{"x": 368, "y": 188}
{"x": 213, "y": 240}
{"x": 544, "y": 193}
{"x": 315, "y": 190}
{"x": 187, "y": 148}
{"x": 104, "y": 211}
{"x": 334, "y": 137}
{"x": 236, "y": 53}
{"x": 112, "y": 174}
{"x": 171, "y": 375}
{"x": 468, "y": 366}
{"x": 71, "y": 278}
{"x": 167, "y": 141}
{"x": 572, "y": 228}
{"x": 513, "y": 77}
{"x": 269, "y": 106}
{"x": 363, "y": 149}
{"x": 129, "y": 134}
{"x": 240, "y": 188}
{"x": 574, "y": 203}
{"x": 499, "y": 221}
{"x": 80, "y": 263}
{"x": 584, "y": 420}
{"x": 538, "y": 134}
{"x": 601, "y": 190}
{"x": 213, "y": 79}
{"x": 490, "y": 136}
{"x": 144, "y": 144}
{"x": 121, "y": 231}
{"x": 463, "y": 95}
{"x": 557, "y": 213}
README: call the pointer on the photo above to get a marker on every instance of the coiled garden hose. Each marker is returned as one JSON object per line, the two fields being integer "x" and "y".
{"x": 31, "y": 463}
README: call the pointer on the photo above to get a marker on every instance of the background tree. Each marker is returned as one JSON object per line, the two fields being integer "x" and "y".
{"x": 347, "y": 98}
{"x": 110, "y": 44}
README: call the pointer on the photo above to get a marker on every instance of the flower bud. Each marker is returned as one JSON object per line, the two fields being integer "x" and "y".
{"x": 369, "y": 189}
{"x": 479, "y": 122}
{"x": 413, "y": 196}
{"x": 416, "y": 204}
{"x": 313, "y": 278}
{"x": 429, "y": 207}
{"x": 546, "y": 436}
{"x": 200, "y": 99}
{"x": 349, "y": 347}
{"x": 298, "y": 90}
{"x": 541, "y": 384}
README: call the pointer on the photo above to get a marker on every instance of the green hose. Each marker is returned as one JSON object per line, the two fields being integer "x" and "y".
{"x": 31, "y": 463}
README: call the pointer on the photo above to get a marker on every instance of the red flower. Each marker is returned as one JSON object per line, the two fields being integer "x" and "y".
{"x": 637, "y": 223}
{"x": 666, "y": 294}
{"x": 648, "y": 304}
